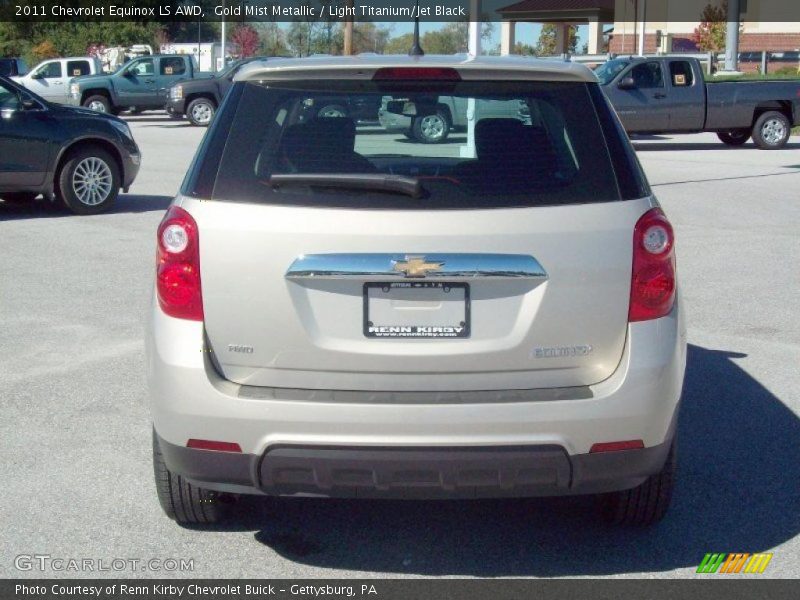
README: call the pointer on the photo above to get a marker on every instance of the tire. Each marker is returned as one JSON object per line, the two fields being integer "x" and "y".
{"x": 183, "y": 502}
{"x": 734, "y": 137}
{"x": 89, "y": 181}
{"x": 772, "y": 130}
{"x": 98, "y": 103}
{"x": 645, "y": 504}
{"x": 18, "y": 197}
{"x": 431, "y": 129}
{"x": 200, "y": 112}
{"x": 331, "y": 111}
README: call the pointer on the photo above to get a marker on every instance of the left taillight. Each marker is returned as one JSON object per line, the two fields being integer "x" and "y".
{"x": 178, "y": 266}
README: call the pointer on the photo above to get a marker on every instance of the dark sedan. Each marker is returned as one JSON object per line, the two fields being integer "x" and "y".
{"x": 76, "y": 156}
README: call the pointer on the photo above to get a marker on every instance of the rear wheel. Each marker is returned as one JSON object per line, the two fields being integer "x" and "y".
{"x": 432, "y": 129}
{"x": 98, "y": 103}
{"x": 734, "y": 137}
{"x": 200, "y": 112}
{"x": 772, "y": 130}
{"x": 332, "y": 111}
{"x": 183, "y": 502}
{"x": 88, "y": 183}
{"x": 645, "y": 504}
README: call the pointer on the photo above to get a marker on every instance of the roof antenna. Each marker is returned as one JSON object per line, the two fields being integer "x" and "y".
{"x": 416, "y": 49}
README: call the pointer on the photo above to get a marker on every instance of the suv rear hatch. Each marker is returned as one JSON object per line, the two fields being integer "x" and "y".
{"x": 338, "y": 256}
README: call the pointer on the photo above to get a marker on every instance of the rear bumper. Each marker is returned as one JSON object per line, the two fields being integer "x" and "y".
{"x": 297, "y": 441}
{"x": 421, "y": 473}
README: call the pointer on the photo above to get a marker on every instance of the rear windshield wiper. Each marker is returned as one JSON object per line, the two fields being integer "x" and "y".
{"x": 400, "y": 184}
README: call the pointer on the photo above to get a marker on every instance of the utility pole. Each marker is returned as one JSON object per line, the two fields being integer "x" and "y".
{"x": 643, "y": 27}
{"x": 223, "y": 36}
{"x": 348, "y": 30}
{"x": 474, "y": 40}
{"x": 732, "y": 37}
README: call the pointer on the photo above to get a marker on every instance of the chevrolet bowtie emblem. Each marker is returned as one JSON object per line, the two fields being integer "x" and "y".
{"x": 415, "y": 266}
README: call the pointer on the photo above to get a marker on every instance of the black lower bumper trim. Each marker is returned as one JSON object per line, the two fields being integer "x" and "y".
{"x": 432, "y": 472}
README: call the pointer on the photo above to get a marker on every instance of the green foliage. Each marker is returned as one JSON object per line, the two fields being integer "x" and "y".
{"x": 524, "y": 49}
{"x": 710, "y": 35}
{"x": 71, "y": 39}
{"x": 546, "y": 46}
{"x": 399, "y": 44}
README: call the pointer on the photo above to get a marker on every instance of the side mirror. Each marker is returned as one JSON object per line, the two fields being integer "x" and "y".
{"x": 28, "y": 103}
{"x": 627, "y": 83}
{"x": 37, "y": 75}
{"x": 128, "y": 73}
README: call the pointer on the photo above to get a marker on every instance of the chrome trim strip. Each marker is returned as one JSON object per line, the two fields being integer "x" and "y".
{"x": 382, "y": 267}
{"x": 252, "y": 392}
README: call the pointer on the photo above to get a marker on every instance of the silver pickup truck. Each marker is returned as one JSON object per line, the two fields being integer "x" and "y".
{"x": 669, "y": 95}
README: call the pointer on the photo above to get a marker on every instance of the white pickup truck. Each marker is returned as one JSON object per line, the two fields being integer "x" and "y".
{"x": 50, "y": 79}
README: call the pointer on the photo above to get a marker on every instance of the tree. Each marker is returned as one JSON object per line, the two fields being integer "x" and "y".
{"x": 400, "y": 44}
{"x": 546, "y": 46}
{"x": 44, "y": 50}
{"x": 710, "y": 35}
{"x": 524, "y": 49}
{"x": 247, "y": 38}
{"x": 273, "y": 39}
{"x": 301, "y": 36}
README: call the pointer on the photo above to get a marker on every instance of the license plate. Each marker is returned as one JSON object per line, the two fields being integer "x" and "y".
{"x": 416, "y": 309}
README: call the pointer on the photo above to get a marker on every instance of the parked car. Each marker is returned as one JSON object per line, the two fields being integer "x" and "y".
{"x": 199, "y": 99}
{"x": 73, "y": 155}
{"x": 139, "y": 85}
{"x": 446, "y": 114}
{"x": 385, "y": 319}
{"x": 669, "y": 95}
{"x": 50, "y": 79}
{"x": 363, "y": 109}
{"x": 11, "y": 67}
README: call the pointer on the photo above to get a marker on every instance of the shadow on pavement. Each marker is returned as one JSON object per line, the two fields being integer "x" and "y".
{"x": 679, "y": 146}
{"x": 667, "y": 183}
{"x": 737, "y": 491}
{"x": 149, "y": 118}
{"x": 41, "y": 209}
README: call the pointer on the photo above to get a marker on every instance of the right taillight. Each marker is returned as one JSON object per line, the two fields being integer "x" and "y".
{"x": 178, "y": 266}
{"x": 653, "y": 277}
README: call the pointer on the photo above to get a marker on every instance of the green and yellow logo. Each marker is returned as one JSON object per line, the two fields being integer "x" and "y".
{"x": 734, "y": 562}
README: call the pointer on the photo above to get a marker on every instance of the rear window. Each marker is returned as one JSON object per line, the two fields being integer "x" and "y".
{"x": 76, "y": 68}
{"x": 507, "y": 144}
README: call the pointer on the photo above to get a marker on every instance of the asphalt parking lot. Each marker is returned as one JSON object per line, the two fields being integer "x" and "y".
{"x": 75, "y": 431}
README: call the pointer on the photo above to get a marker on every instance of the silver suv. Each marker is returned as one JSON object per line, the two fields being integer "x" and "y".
{"x": 341, "y": 311}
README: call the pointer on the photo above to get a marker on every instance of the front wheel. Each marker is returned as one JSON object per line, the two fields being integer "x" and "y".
{"x": 772, "y": 130}
{"x": 645, "y": 504}
{"x": 432, "y": 129}
{"x": 200, "y": 112}
{"x": 734, "y": 137}
{"x": 88, "y": 183}
{"x": 181, "y": 501}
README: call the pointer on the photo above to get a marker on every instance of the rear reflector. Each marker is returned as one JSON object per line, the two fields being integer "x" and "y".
{"x": 212, "y": 445}
{"x": 615, "y": 446}
{"x": 416, "y": 73}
